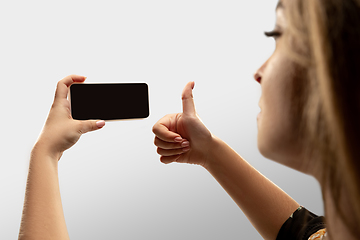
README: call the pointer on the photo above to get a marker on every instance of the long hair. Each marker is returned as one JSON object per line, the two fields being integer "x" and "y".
{"x": 324, "y": 37}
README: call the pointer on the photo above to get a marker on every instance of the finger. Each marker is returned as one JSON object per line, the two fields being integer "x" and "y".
{"x": 64, "y": 84}
{"x": 162, "y": 132}
{"x": 172, "y": 152}
{"x": 166, "y": 145}
{"x": 187, "y": 99}
{"x": 169, "y": 159}
{"x": 90, "y": 125}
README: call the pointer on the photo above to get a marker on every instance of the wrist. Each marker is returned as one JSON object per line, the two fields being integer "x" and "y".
{"x": 214, "y": 148}
{"x": 43, "y": 149}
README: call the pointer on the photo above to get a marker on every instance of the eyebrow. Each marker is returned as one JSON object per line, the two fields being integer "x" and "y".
{"x": 279, "y": 5}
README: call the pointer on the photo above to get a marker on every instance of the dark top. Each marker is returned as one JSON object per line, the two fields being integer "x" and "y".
{"x": 301, "y": 225}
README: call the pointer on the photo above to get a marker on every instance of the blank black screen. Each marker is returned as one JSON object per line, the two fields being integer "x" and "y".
{"x": 109, "y": 101}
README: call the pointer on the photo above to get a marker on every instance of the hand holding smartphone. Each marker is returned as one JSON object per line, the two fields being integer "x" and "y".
{"x": 109, "y": 101}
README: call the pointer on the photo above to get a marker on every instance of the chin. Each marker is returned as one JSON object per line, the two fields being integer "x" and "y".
{"x": 283, "y": 152}
{"x": 263, "y": 144}
{"x": 275, "y": 148}
{"x": 264, "y": 148}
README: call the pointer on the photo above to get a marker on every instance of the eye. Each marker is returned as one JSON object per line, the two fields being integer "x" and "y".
{"x": 274, "y": 33}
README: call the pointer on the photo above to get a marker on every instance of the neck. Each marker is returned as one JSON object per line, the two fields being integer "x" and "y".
{"x": 337, "y": 228}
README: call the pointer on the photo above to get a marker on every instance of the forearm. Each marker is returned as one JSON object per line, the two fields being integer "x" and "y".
{"x": 43, "y": 216}
{"x": 265, "y": 205}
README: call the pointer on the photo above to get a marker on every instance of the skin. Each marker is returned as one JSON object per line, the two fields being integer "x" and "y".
{"x": 183, "y": 138}
{"x": 274, "y": 140}
{"x": 43, "y": 216}
{"x": 275, "y": 121}
{"x": 266, "y": 206}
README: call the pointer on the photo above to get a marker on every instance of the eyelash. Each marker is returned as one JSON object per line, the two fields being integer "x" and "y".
{"x": 275, "y": 34}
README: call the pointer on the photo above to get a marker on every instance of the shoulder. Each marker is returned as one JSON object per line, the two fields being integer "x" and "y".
{"x": 302, "y": 225}
{"x": 318, "y": 235}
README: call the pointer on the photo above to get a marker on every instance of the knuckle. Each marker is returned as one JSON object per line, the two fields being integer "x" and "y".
{"x": 164, "y": 160}
{"x": 178, "y": 116}
{"x": 81, "y": 127}
{"x": 86, "y": 126}
{"x": 92, "y": 125}
{"x": 154, "y": 129}
{"x": 156, "y": 142}
{"x": 159, "y": 150}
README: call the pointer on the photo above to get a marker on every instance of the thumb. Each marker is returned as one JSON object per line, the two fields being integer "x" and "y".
{"x": 91, "y": 125}
{"x": 188, "y": 100}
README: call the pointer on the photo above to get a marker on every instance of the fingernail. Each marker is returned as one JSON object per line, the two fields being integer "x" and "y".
{"x": 186, "y": 149}
{"x": 100, "y": 124}
{"x": 178, "y": 139}
{"x": 185, "y": 144}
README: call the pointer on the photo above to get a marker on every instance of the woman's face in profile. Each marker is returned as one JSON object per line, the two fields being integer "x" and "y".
{"x": 277, "y": 138}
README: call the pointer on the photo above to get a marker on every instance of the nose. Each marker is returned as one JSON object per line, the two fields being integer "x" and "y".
{"x": 257, "y": 76}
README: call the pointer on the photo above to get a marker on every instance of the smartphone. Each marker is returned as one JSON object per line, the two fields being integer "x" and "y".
{"x": 109, "y": 101}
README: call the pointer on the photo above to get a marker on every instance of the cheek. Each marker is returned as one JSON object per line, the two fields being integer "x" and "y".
{"x": 276, "y": 127}
{"x": 275, "y": 135}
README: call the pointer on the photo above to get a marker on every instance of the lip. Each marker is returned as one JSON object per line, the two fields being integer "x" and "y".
{"x": 258, "y": 116}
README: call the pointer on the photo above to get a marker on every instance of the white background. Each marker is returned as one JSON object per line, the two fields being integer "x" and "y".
{"x": 113, "y": 185}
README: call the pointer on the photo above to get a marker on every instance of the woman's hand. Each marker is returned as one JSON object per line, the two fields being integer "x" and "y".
{"x": 61, "y": 131}
{"x": 182, "y": 137}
